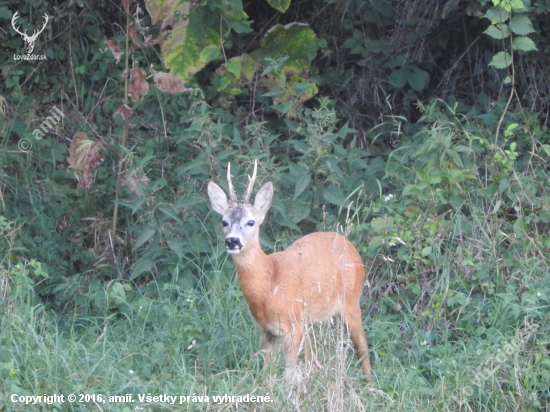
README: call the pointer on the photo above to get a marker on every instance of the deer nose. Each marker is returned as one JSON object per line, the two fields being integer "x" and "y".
{"x": 233, "y": 243}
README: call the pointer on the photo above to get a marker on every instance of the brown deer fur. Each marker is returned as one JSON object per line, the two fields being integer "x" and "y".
{"x": 318, "y": 277}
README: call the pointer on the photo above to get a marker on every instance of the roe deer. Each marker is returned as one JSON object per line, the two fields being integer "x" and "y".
{"x": 319, "y": 276}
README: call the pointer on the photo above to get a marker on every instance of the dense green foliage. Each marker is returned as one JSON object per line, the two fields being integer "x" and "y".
{"x": 427, "y": 145}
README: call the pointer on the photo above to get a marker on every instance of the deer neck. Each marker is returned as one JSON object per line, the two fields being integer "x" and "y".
{"x": 254, "y": 270}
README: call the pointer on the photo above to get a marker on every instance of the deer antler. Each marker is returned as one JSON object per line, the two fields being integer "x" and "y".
{"x": 29, "y": 40}
{"x": 13, "y": 24}
{"x": 250, "y": 183}
{"x": 232, "y": 195}
{"x": 37, "y": 32}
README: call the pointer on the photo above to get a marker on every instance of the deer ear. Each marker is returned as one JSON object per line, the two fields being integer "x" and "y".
{"x": 218, "y": 199}
{"x": 262, "y": 202}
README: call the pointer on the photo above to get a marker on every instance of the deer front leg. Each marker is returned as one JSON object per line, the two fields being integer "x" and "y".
{"x": 292, "y": 341}
{"x": 268, "y": 349}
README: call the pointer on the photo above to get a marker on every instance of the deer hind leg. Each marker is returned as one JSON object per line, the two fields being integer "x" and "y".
{"x": 352, "y": 318}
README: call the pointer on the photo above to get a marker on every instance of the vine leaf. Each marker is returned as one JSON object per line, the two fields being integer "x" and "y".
{"x": 521, "y": 25}
{"x": 281, "y": 5}
{"x": 501, "y": 60}
{"x": 498, "y": 31}
{"x": 524, "y": 44}
{"x": 234, "y": 67}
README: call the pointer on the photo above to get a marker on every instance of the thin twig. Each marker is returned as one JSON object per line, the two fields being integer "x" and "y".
{"x": 125, "y": 125}
{"x": 510, "y": 97}
{"x": 71, "y": 60}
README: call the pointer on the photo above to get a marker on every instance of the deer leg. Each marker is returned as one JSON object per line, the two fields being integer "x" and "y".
{"x": 352, "y": 318}
{"x": 268, "y": 349}
{"x": 292, "y": 342}
{"x": 308, "y": 350}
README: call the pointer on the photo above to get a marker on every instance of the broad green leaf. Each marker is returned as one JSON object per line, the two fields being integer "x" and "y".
{"x": 145, "y": 236}
{"x": 299, "y": 212}
{"x": 295, "y": 41}
{"x": 334, "y": 195}
{"x": 418, "y": 79}
{"x": 192, "y": 34}
{"x": 520, "y": 228}
{"x": 521, "y": 25}
{"x": 517, "y": 4}
{"x": 300, "y": 87}
{"x": 145, "y": 263}
{"x": 501, "y": 60}
{"x": 224, "y": 84}
{"x": 497, "y": 15}
{"x": 496, "y": 207}
{"x": 186, "y": 32}
{"x": 350, "y": 43}
{"x": 301, "y": 184}
{"x": 293, "y": 46}
{"x": 281, "y": 5}
{"x": 176, "y": 246}
{"x": 498, "y": 31}
{"x": 524, "y": 44}
{"x": 240, "y": 26}
{"x": 5, "y": 13}
{"x": 234, "y": 66}
{"x": 399, "y": 78}
{"x": 503, "y": 185}
{"x": 282, "y": 108}
{"x": 208, "y": 54}
{"x": 273, "y": 92}
{"x": 382, "y": 225}
{"x": 170, "y": 212}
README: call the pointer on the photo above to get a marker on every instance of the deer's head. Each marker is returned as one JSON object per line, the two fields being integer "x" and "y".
{"x": 240, "y": 220}
{"x": 29, "y": 40}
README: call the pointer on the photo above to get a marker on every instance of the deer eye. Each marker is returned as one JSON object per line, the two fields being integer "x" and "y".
{"x": 250, "y": 223}
{"x": 224, "y": 223}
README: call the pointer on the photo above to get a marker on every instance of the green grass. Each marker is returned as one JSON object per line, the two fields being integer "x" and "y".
{"x": 204, "y": 342}
{"x": 462, "y": 328}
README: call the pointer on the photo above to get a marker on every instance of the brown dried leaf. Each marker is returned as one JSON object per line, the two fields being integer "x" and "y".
{"x": 123, "y": 111}
{"x": 115, "y": 50}
{"x": 84, "y": 156}
{"x": 135, "y": 183}
{"x": 138, "y": 84}
{"x": 125, "y": 5}
{"x": 168, "y": 83}
{"x": 133, "y": 34}
{"x": 149, "y": 41}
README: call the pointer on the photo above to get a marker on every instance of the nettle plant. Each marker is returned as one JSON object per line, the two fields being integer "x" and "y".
{"x": 510, "y": 25}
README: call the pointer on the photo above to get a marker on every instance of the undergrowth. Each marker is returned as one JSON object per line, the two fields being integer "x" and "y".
{"x": 447, "y": 201}
{"x": 455, "y": 302}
